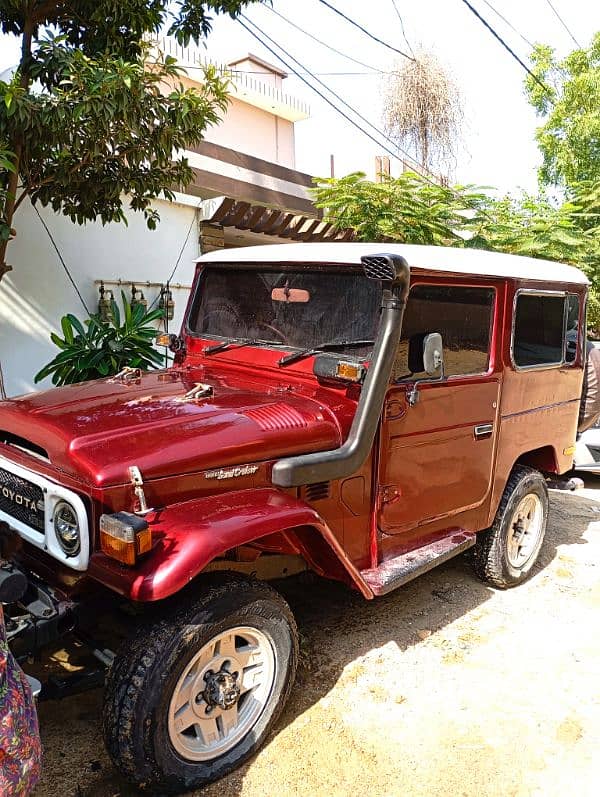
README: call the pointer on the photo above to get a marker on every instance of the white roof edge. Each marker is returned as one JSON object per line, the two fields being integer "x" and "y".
{"x": 475, "y": 262}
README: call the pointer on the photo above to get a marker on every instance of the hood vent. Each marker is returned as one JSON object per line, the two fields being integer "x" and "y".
{"x": 276, "y": 417}
{"x": 316, "y": 492}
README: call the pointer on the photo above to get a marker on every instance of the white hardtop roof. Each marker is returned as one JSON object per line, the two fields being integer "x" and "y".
{"x": 476, "y": 262}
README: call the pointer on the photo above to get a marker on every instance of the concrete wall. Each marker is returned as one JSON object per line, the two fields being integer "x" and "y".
{"x": 35, "y": 295}
{"x": 255, "y": 132}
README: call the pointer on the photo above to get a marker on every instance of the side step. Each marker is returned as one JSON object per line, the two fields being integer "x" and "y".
{"x": 399, "y": 570}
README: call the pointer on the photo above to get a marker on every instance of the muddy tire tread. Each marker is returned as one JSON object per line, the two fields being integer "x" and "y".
{"x": 486, "y": 560}
{"x": 137, "y": 656}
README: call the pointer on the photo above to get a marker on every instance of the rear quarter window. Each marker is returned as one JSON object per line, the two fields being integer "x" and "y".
{"x": 539, "y": 330}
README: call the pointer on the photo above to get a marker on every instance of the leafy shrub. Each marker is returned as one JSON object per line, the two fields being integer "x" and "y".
{"x": 96, "y": 348}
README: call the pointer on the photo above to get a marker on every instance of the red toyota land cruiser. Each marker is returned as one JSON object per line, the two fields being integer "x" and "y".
{"x": 362, "y": 411}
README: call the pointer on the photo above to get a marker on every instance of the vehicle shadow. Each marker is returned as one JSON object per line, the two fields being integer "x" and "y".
{"x": 337, "y": 627}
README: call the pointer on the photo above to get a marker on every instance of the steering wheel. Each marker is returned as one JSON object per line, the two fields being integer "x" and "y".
{"x": 278, "y": 334}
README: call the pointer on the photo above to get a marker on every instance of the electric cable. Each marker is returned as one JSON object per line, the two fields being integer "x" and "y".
{"x": 320, "y": 41}
{"x": 62, "y": 261}
{"x": 507, "y": 22}
{"x": 497, "y": 36}
{"x": 341, "y": 112}
{"x": 178, "y": 261}
{"x": 364, "y": 30}
{"x": 564, "y": 24}
{"x": 399, "y": 15}
{"x": 326, "y": 99}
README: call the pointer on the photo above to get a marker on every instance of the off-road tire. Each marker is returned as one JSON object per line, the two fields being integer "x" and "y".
{"x": 490, "y": 554}
{"x": 146, "y": 669}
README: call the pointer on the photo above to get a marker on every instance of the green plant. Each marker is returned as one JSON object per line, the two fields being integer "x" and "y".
{"x": 97, "y": 348}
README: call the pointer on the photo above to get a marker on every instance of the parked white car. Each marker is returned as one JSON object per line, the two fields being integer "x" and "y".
{"x": 587, "y": 451}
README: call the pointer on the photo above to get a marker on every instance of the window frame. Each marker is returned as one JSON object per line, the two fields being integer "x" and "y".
{"x": 542, "y": 366}
{"x": 441, "y": 283}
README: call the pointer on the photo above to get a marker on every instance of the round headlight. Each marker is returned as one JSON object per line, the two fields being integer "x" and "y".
{"x": 66, "y": 527}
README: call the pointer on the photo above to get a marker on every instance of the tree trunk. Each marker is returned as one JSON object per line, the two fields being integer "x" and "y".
{"x": 16, "y": 144}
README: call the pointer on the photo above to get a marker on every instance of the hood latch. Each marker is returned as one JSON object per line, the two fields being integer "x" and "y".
{"x": 138, "y": 489}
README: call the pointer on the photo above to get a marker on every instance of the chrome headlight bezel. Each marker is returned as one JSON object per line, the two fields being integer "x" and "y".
{"x": 69, "y": 535}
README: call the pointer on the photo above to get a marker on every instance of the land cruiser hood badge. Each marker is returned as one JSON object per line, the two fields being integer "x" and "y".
{"x": 231, "y": 473}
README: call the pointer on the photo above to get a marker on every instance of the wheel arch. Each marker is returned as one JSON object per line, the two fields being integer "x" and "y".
{"x": 191, "y": 535}
{"x": 544, "y": 459}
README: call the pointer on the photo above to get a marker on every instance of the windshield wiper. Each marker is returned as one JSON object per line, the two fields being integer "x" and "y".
{"x": 332, "y": 344}
{"x": 239, "y": 342}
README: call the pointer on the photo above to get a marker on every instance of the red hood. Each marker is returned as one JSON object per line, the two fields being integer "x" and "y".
{"x": 96, "y": 430}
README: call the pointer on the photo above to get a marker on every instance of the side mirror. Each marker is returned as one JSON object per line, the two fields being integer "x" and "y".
{"x": 433, "y": 355}
{"x": 425, "y": 353}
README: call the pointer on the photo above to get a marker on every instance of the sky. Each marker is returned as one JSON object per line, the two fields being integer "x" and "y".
{"x": 498, "y": 147}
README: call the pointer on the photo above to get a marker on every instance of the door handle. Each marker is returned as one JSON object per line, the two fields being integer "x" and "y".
{"x": 483, "y": 430}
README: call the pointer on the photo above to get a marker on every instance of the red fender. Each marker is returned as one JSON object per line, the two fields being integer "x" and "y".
{"x": 189, "y": 535}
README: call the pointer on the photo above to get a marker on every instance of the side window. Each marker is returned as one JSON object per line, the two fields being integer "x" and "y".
{"x": 539, "y": 330}
{"x": 572, "y": 327}
{"x": 463, "y": 317}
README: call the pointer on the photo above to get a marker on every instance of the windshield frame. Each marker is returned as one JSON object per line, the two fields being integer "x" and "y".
{"x": 232, "y": 265}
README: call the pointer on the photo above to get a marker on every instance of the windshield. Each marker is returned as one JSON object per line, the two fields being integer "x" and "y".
{"x": 296, "y": 308}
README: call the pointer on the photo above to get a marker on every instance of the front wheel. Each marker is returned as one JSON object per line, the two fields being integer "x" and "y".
{"x": 505, "y": 553}
{"x": 191, "y": 697}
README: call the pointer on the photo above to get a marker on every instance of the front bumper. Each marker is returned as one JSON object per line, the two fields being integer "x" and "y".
{"x": 41, "y": 616}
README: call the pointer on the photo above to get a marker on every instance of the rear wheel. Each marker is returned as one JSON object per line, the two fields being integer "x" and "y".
{"x": 506, "y": 552}
{"x": 192, "y": 696}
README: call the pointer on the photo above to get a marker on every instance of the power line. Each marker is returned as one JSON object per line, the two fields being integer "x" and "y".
{"x": 564, "y": 24}
{"x": 320, "y": 41}
{"x": 506, "y": 47}
{"x": 506, "y": 21}
{"x": 324, "y": 97}
{"x": 364, "y": 30}
{"x": 399, "y": 15}
{"x": 60, "y": 257}
{"x": 341, "y": 112}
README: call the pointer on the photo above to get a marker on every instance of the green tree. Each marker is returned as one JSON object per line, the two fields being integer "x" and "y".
{"x": 570, "y": 107}
{"x": 407, "y": 209}
{"x": 411, "y": 209}
{"x": 93, "y": 113}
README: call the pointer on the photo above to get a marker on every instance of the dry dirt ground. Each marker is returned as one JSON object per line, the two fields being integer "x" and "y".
{"x": 445, "y": 687}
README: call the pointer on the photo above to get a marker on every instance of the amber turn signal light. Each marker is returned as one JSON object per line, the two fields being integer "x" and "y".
{"x": 124, "y": 537}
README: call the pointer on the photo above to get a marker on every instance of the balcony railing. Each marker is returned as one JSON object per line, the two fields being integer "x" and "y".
{"x": 249, "y": 88}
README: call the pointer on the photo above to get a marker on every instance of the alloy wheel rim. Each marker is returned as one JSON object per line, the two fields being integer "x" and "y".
{"x": 525, "y": 530}
{"x": 221, "y": 693}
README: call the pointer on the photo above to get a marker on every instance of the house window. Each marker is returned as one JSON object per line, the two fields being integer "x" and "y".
{"x": 463, "y": 317}
{"x": 539, "y": 331}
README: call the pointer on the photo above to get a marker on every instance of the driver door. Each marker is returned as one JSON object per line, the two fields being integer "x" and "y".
{"x": 436, "y": 456}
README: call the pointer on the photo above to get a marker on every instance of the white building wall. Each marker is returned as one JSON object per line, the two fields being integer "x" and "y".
{"x": 255, "y": 132}
{"x": 35, "y": 295}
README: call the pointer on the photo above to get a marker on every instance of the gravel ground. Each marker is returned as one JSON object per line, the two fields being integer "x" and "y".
{"x": 445, "y": 687}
